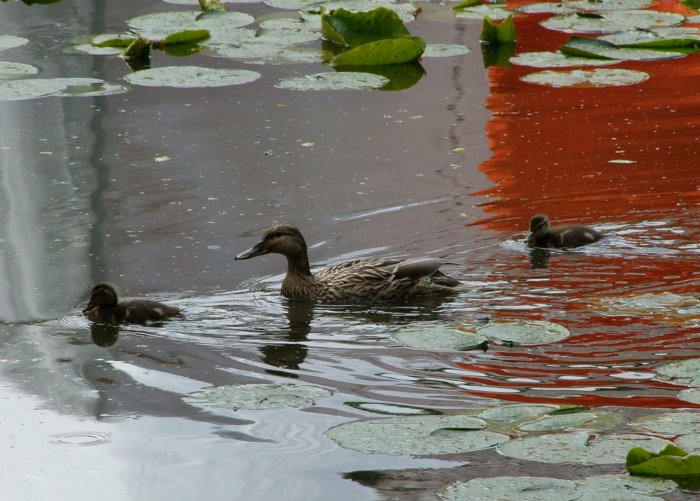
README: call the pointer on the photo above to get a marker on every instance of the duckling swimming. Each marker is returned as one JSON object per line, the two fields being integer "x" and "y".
{"x": 104, "y": 306}
{"x": 350, "y": 281}
{"x": 542, "y": 235}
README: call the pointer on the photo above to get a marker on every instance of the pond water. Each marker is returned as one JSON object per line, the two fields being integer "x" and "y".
{"x": 157, "y": 189}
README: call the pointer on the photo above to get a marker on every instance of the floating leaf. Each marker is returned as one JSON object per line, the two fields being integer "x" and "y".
{"x": 187, "y": 36}
{"x": 524, "y": 332}
{"x": 400, "y": 76}
{"x": 191, "y": 76}
{"x": 650, "y": 304}
{"x": 159, "y": 25}
{"x": 692, "y": 396}
{"x": 334, "y": 81}
{"x": 612, "y": 21}
{"x": 515, "y": 488}
{"x": 584, "y": 5}
{"x": 11, "y": 41}
{"x": 587, "y": 78}
{"x": 465, "y": 3}
{"x": 675, "y": 38}
{"x": 414, "y": 435}
{"x": 258, "y": 396}
{"x": 556, "y": 60}
{"x": 13, "y": 90}
{"x": 514, "y": 413}
{"x": 16, "y": 70}
{"x": 622, "y": 488}
{"x": 494, "y": 11}
{"x": 140, "y": 48}
{"x": 120, "y": 42}
{"x": 670, "y": 462}
{"x": 382, "y": 52}
{"x": 586, "y": 420}
{"x": 684, "y": 372}
{"x": 578, "y": 447}
{"x": 444, "y": 50}
{"x": 440, "y": 337}
{"x": 672, "y": 423}
{"x": 212, "y": 5}
{"x": 392, "y": 409}
{"x": 600, "y": 49}
{"x": 357, "y": 28}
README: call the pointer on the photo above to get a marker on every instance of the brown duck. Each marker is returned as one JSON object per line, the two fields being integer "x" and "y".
{"x": 350, "y": 281}
{"x": 544, "y": 236}
{"x": 104, "y": 306}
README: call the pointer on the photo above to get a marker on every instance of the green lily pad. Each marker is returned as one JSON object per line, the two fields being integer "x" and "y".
{"x": 587, "y": 420}
{"x": 14, "y": 90}
{"x": 514, "y": 413}
{"x": 556, "y": 60}
{"x": 190, "y": 76}
{"x": 683, "y": 372}
{"x": 444, "y": 50}
{"x": 578, "y": 447}
{"x": 258, "y": 396}
{"x": 622, "y": 488}
{"x": 597, "y": 48}
{"x": 645, "y": 304}
{"x": 400, "y": 76}
{"x": 584, "y": 5}
{"x": 357, "y": 28}
{"x": 16, "y": 70}
{"x": 671, "y": 423}
{"x": 439, "y": 337}
{"x": 524, "y": 332}
{"x": 690, "y": 442}
{"x": 295, "y": 24}
{"x": 670, "y": 462}
{"x": 268, "y": 53}
{"x": 658, "y": 38}
{"x": 334, "y": 81}
{"x": 382, "y": 52}
{"x": 495, "y": 12}
{"x": 612, "y": 21}
{"x": 515, "y": 488}
{"x": 692, "y": 395}
{"x": 159, "y": 25}
{"x": 393, "y": 409}
{"x": 416, "y": 435}
{"x": 11, "y": 41}
{"x": 107, "y": 44}
{"x": 587, "y": 78}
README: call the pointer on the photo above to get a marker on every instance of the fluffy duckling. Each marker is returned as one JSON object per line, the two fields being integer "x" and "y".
{"x": 104, "y": 306}
{"x": 544, "y": 236}
{"x": 349, "y": 281}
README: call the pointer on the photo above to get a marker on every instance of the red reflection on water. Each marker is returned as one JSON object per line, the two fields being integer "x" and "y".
{"x": 594, "y": 155}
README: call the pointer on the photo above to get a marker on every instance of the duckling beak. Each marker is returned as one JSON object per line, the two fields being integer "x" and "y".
{"x": 256, "y": 250}
{"x": 89, "y": 307}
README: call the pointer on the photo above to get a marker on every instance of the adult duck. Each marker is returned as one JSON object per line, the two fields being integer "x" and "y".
{"x": 370, "y": 279}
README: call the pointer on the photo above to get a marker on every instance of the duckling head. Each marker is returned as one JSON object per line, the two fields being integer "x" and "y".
{"x": 539, "y": 224}
{"x": 282, "y": 239}
{"x": 103, "y": 295}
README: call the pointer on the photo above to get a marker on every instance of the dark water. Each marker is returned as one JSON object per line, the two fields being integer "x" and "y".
{"x": 86, "y": 194}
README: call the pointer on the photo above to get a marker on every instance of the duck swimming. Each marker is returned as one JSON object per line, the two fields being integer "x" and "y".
{"x": 104, "y": 306}
{"x": 350, "y": 281}
{"x": 542, "y": 235}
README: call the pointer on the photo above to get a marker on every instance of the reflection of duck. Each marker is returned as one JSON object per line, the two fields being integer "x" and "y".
{"x": 349, "y": 281}
{"x": 544, "y": 236}
{"x": 104, "y": 306}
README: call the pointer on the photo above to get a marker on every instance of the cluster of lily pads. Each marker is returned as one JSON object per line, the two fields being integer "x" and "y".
{"x": 628, "y": 32}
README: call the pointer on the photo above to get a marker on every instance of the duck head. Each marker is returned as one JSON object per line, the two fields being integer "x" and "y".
{"x": 539, "y": 224}
{"x": 103, "y": 295}
{"x": 282, "y": 239}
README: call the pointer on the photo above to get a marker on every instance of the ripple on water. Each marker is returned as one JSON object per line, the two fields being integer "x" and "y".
{"x": 80, "y": 438}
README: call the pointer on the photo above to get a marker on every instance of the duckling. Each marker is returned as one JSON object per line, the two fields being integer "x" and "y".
{"x": 104, "y": 306}
{"x": 544, "y": 236}
{"x": 350, "y": 281}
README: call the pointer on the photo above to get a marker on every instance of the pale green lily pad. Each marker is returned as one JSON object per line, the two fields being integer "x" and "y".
{"x": 584, "y": 5}
{"x": 683, "y": 372}
{"x": 90, "y": 47}
{"x": 556, "y": 60}
{"x": 258, "y": 396}
{"x": 14, "y": 90}
{"x": 346, "y": 80}
{"x": 406, "y": 11}
{"x": 159, "y": 25}
{"x": 597, "y": 48}
{"x": 444, "y": 50}
{"x": 393, "y": 409}
{"x": 649, "y": 304}
{"x": 11, "y": 41}
{"x": 524, "y": 332}
{"x": 511, "y": 488}
{"x": 587, "y": 78}
{"x": 692, "y": 395}
{"x": 622, "y": 488}
{"x": 496, "y": 12}
{"x": 190, "y": 76}
{"x": 269, "y": 53}
{"x": 671, "y": 423}
{"x": 659, "y": 35}
{"x": 416, "y": 435}
{"x": 578, "y": 447}
{"x": 439, "y": 337}
{"x": 514, "y": 413}
{"x": 690, "y": 443}
{"x": 578, "y": 420}
{"x": 294, "y": 24}
{"x": 16, "y": 70}
{"x": 613, "y": 21}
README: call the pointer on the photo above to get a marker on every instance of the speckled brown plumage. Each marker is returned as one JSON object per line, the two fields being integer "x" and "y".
{"x": 105, "y": 307}
{"x": 543, "y": 235}
{"x": 350, "y": 281}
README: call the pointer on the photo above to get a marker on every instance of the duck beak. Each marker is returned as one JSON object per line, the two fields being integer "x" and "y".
{"x": 256, "y": 250}
{"x": 88, "y": 308}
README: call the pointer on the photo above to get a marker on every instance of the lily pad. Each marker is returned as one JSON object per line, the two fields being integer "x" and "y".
{"x": 671, "y": 423}
{"x": 495, "y": 12}
{"x": 416, "y": 435}
{"x": 578, "y": 447}
{"x": 515, "y": 488}
{"x": 645, "y": 304}
{"x": 13, "y": 90}
{"x": 587, "y": 78}
{"x": 440, "y": 337}
{"x": 258, "y": 396}
{"x": 357, "y": 28}
{"x": 190, "y": 76}
{"x": 622, "y": 488}
{"x": 524, "y": 332}
{"x": 514, "y": 413}
{"x": 692, "y": 396}
{"x": 11, "y": 41}
{"x": 16, "y": 70}
{"x": 580, "y": 420}
{"x": 556, "y": 60}
{"x": 659, "y": 38}
{"x": 444, "y": 50}
{"x": 584, "y": 5}
{"x": 501, "y": 33}
{"x": 683, "y": 372}
{"x": 393, "y": 409}
{"x": 612, "y": 21}
{"x": 597, "y": 48}
{"x": 334, "y": 81}
{"x": 382, "y": 52}
{"x": 159, "y": 25}
{"x": 670, "y": 462}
